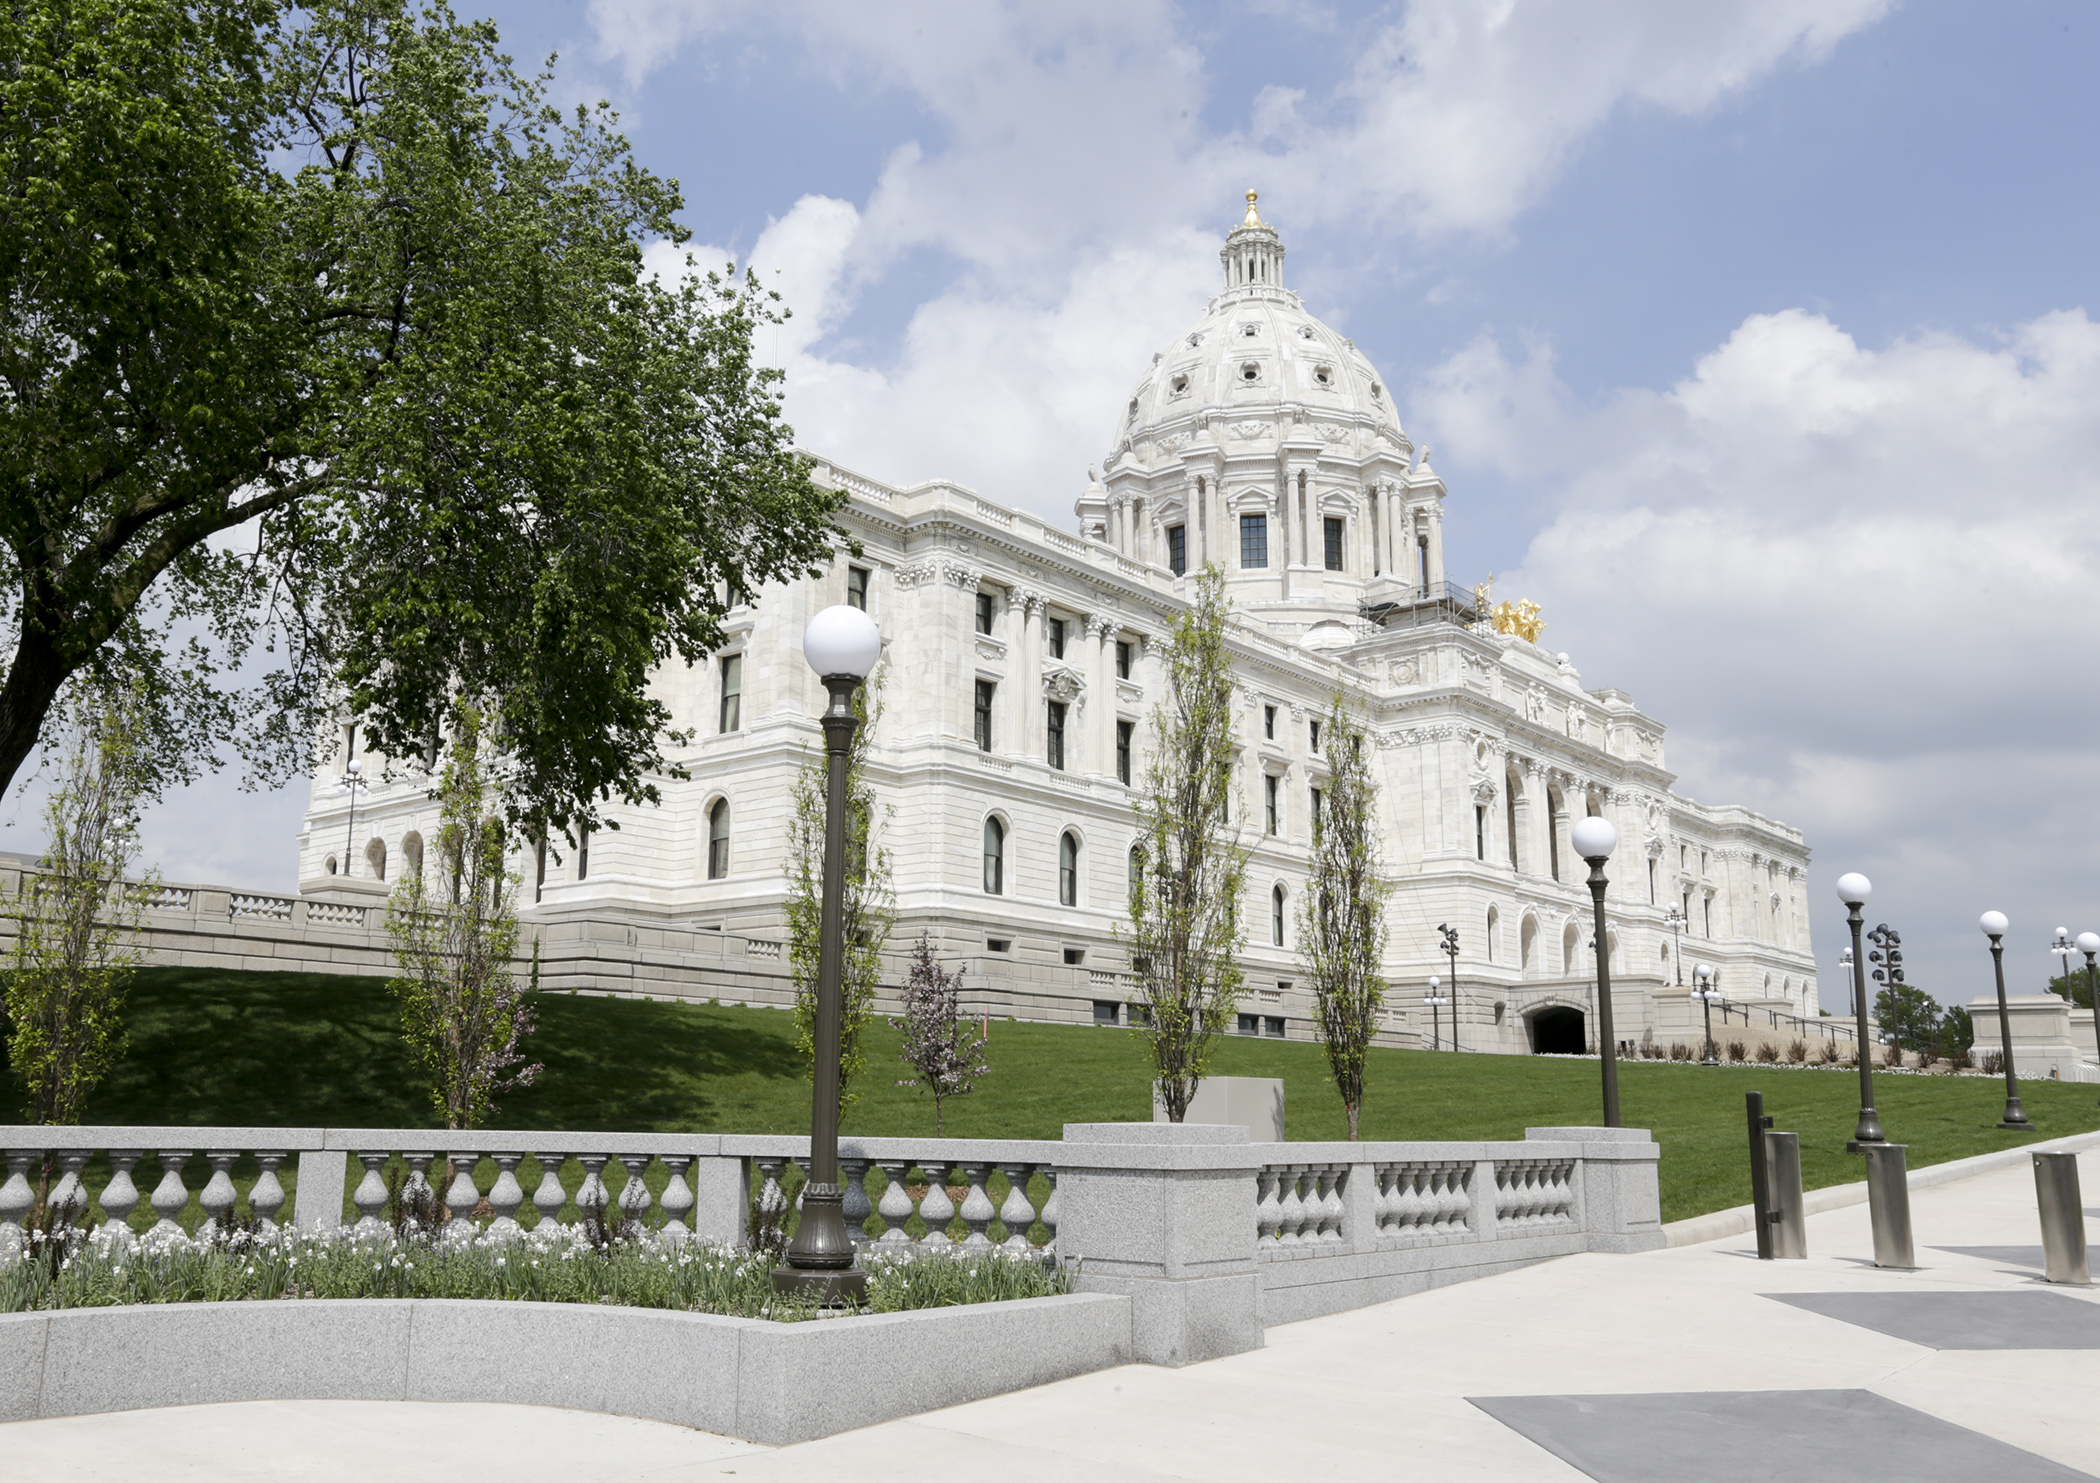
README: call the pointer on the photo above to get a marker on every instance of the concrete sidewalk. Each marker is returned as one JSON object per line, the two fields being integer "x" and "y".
{"x": 1692, "y": 1365}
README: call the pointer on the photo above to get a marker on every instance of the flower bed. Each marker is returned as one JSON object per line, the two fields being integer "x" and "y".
{"x": 549, "y": 1264}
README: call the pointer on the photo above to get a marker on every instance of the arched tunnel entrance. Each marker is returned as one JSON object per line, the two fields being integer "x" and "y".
{"x": 1557, "y": 1031}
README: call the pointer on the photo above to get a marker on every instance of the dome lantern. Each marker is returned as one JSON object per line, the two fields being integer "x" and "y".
{"x": 1253, "y": 254}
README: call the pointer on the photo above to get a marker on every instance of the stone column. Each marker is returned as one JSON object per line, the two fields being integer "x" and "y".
{"x": 1434, "y": 525}
{"x": 1164, "y": 1214}
{"x": 1101, "y": 699}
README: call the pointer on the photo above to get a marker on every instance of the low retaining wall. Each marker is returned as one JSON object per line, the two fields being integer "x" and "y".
{"x": 1738, "y": 1219}
{"x": 764, "y": 1382}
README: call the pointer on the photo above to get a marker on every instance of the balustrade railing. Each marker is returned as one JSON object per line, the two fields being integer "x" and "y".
{"x": 1534, "y": 1194}
{"x": 1305, "y": 1207}
{"x": 1425, "y": 1198}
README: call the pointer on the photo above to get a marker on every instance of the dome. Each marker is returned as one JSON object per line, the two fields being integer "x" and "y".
{"x": 1257, "y": 367}
{"x": 1262, "y": 442}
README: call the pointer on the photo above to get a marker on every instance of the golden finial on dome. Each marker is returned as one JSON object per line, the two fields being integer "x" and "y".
{"x": 1253, "y": 216}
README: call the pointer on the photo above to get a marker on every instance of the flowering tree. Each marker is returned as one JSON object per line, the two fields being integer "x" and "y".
{"x": 462, "y": 1008}
{"x": 938, "y": 1043}
{"x": 1341, "y": 920}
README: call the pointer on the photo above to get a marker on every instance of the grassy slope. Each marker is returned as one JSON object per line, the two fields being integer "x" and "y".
{"x": 235, "y": 1049}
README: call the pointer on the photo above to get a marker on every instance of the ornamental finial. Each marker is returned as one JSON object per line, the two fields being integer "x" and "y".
{"x": 1253, "y": 216}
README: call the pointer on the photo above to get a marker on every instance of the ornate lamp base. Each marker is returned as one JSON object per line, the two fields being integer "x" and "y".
{"x": 833, "y": 1287}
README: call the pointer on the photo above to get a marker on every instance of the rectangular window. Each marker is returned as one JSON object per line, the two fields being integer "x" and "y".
{"x": 1247, "y": 1024}
{"x": 1056, "y": 749}
{"x": 1318, "y": 798}
{"x": 984, "y": 612}
{"x": 732, "y": 691}
{"x": 1331, "y": 528}
{"x": 1074, "y": 956}
{"x": 1178, "y": 549}
{"x": 1254, "y": 541}
{"x": 857, "y": 587}
{"x": 1272, "y": 1026}
{"x": 1106, "y": 1012}
{"x": 1315, "y": 734}
{"x": 1122, "y": 659}
{"x": 1480, "y": 831}
{"x": 985, "y": 691}
{"x": 1056, "y": 628}
{"x": 1268, "y": 722}
{"x": 1270, "y": 784}
{"x": 583, "y": 854}
{"x": 1124, "y": 731}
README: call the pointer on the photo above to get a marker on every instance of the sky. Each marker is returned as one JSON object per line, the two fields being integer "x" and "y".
{"x": 1752, "y": 340}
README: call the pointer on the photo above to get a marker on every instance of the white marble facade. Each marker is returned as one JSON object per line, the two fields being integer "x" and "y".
{"x": 1021, "y": 668}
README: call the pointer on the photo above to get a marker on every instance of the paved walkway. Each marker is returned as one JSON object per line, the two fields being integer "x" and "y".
{"x": 1696, "y": 1365}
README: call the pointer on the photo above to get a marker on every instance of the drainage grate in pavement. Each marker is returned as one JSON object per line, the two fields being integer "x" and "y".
{"x": 1755, "y": 1436}
{"x": 1962, "y": 1320}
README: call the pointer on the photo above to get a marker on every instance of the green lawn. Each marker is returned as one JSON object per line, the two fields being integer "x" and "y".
{"x": 254, "y": 1049}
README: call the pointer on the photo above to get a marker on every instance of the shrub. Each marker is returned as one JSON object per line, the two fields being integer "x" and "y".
{"x": 1679, "y": 1051}
{"x": 1828, "y": 1053}
{"x": 1927, "y": 1056}
{"x": 1993, "y": 1063}
{"x": 1892, "y": 1056}
{"x": 1767, "y": 1053}
{"x": 1960, "y": 1059}
{"x": 1737, "y": 1051}
{"x": 1797, "y": 1051}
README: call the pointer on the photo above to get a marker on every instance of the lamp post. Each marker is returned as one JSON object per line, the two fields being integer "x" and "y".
{"x": 1594, "y": 839}
{"x": 1845, "y": 963}
{"x": 1853, "y": 889}
{"x": 841, "y": 644}
{"x": 353, "y": 779}
{"x": 1994, "y": 925}
{"x": 1887, "y": 958}
{"x": 2062, "y": 948}
{"x": 1436, "y": 1002}
{"x": 2089, "y": 944}
{"x": 1706, "y": 994}
{"x": 1677, "y": 922}
{"x": 1449, "y": 948}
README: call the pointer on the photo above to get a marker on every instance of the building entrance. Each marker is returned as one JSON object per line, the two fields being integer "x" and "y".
{"x": 1557, "y": 1032}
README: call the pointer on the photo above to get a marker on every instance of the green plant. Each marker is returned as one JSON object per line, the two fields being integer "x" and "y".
{"x": 1183, "y": 931}
{"x": 1341, "y": 913}
{"x": 870, "y": 904}
{"x": 1767, "y": 1053}
{"x": 75, "y": 951}
{"x": 462, "y": 1008}
{"x": 1797, "y": 1052}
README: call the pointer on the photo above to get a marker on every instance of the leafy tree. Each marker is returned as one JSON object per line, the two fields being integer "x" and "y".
{"x": 75, "y": 946}
{"x": 1184, "y": 932}
{"x": 1957, "y": 1029}
{"x": 870, "y": 904}
{"x": 1341, "y": 915}
{"x": 463, "y": 1010}
{"x": 2072, "y": 986}
{"x": 1909, "y": 1016}
{"x": 938, "y": 1042}
{"x": 329, "y": 346}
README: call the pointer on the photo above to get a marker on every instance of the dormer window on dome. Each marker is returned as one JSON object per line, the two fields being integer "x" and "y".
{"x": 1179, "y": 386}
{"x": 1250, "y": 371}
{"x": 1324, "y": 375}
{"x": 1305, "y": 332}
{"x": 1250, "y": 331}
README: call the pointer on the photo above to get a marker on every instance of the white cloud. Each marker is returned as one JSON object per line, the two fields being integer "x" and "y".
{"x": 1855, "y": 582}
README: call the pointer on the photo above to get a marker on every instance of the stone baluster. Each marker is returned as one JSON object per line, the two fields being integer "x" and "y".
{"x": 1017, "y": 1213}
{"x": 506, "y": 1195}
{"x": 549, "y": 1197}
{"x": 1458, "y": 1199}
{"x": 936, "y": 1209}
{"x": 218, "y": 1195}
{"x": 772, "y": 1200}
{"x": 419, "y": 1202}
{"x": 895, "y": 1207}
{"x": 977, "y": 1208}
{"x": 1049, "y": 1212}
{"x": 462, "y": 1197}
{"x": 1333, "y": 1181}
{"x": 266, "y": 1195}
{"x": 1268, "y": 1210}
{"x": 369, "y": 1197}
{"x": 70, "y": 1194}
{"x": 677, "y": 1199}
{"x": 16, "y": 1199}
{"x": 854, "y": 1206}
{"x": 1385, "y": 1207}
{"x": 634, "y": 1194}
{"x": 119, "y": 1197}
{"x": 1290, "y": 1210}
{"x": 592, "y": 1198}
{"x": 171, "y": 1196}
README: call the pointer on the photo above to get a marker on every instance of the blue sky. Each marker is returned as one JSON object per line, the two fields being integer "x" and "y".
{"x": 1750, "y": 338}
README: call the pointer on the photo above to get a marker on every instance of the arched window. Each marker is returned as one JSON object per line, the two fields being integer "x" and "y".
{"x": 1276, "y": 905}
{"x": 1528, "y": 943}
{"x": 412, "y": 852}
{"x": 1494, "y": 926}
{"x": 1570, "y": 946}
{"x": 718, "y": 840}
{"x": 994, "y": 857}
{"x": 375, "y": 859}
{"x": 329, "y": 865}
{"x": 1068, "y": 869}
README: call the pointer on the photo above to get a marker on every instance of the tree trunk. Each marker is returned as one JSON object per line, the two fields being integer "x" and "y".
{"x": 1352, "y": 1108}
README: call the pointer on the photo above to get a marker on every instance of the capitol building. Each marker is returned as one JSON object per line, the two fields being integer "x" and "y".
{"x": 1022, "y": 665}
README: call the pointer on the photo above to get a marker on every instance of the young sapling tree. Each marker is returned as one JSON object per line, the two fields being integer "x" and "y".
{"x": 940, "y": 1045}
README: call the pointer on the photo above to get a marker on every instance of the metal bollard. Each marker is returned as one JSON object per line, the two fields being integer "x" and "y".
{"x": 2063, "y": 1218}
{"x": 1888, "y": 1202}
{"x": 1783, "y": 1189}
{"x": 1760, "y": 1198}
